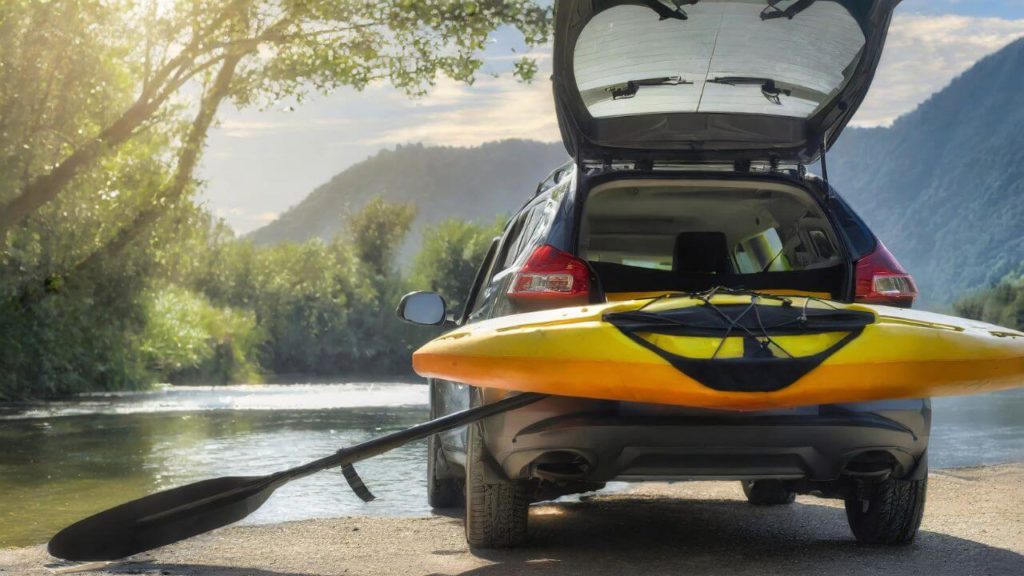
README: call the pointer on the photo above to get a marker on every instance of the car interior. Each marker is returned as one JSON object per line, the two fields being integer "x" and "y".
{"x": 652, "y": 235}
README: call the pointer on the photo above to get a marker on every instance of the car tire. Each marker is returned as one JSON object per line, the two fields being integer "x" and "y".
{"x": 768, "y": 492}
{"x": 888, "y": 512}
{"x": 441, "y": 492}
{"x": 496, "y": 512}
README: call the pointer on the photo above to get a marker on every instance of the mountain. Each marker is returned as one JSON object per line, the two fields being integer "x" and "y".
{"x": 944, "y": 185}
{"x": 475, "y": 183}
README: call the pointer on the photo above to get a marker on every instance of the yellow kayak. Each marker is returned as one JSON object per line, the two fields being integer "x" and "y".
{"x": 730, "y": 351}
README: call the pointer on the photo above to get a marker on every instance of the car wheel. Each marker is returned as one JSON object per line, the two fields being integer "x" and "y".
{"x": 887, "y": 512}
{"x": 496, "y": 512}
{"x": 443, "y": 489}
{"x": 768, "y": 492}
{"x": 441, "y": 492}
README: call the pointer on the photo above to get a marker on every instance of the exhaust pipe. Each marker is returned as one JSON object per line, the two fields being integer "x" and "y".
{"x": 873, "y": 465}
{"x": 560, "y": 466}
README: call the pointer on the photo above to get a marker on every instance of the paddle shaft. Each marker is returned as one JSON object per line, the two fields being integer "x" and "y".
{"x": 173, "y": 515}
{"x": 388, "y": 442}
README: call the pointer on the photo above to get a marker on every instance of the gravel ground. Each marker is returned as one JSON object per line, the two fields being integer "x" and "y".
{"x": 974, "y": 525}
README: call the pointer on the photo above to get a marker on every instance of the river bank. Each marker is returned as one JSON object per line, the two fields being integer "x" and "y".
{"x": 974, "y": 524}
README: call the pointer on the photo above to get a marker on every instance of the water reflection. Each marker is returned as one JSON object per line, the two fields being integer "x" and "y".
{"x": 67, "y": 464}
{"x": 977, "y": 430}
{"x": 243, "y": 397}
{"x": 62, "y": 461}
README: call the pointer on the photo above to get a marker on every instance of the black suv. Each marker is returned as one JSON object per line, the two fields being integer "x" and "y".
{"x": 690, "y": 126}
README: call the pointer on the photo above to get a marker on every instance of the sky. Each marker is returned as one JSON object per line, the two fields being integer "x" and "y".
{"x": 258, "y": 163}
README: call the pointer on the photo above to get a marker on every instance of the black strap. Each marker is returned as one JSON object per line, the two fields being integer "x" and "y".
{"x": 356, "y": 484}
{"x": 748, "y": 374}
{"x": 758, "y": 370}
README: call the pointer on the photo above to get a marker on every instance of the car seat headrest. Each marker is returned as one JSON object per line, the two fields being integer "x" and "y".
{"x": 701, "y": 253}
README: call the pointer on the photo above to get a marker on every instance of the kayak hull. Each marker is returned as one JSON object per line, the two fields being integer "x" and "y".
{"x": 575, "y": 352}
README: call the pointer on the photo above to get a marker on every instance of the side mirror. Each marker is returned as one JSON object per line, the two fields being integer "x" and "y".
{"x": 427, "y": 308}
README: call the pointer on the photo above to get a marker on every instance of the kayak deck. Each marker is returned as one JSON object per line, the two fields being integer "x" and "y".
{"x": 781, "y": 352}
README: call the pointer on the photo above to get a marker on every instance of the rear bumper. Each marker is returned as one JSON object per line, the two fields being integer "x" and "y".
{"x": 599, "y": 441}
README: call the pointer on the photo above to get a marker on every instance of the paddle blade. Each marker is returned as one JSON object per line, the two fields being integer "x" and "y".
{"x": 162, "y": 518}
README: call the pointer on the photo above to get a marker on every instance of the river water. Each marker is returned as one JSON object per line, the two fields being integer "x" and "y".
{"x": 61, "y": 461}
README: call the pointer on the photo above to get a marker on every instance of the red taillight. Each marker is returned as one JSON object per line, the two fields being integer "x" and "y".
{"x": 550, "y": 273}
{"x": 881, "y": 280}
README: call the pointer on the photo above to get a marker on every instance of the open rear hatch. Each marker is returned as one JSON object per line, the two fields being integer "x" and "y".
{"x": 711, "y": 80}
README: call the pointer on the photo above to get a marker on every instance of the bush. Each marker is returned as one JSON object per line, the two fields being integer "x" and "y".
{"x": 1002, "y": 304}
{"x": 187, "y": 339}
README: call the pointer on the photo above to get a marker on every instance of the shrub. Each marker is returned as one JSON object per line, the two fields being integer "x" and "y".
{"x": 188, "y": 339}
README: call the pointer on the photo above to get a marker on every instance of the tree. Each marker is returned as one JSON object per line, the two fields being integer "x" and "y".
{"x": 452, "y": 252}
{"x": 264, "y": 51}
{"x": 377, "y": 232}
{"x": 1002, "y": 304}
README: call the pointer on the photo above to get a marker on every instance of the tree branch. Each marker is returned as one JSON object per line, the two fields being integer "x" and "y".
{"x": 43, "y": 189}
{"x": 188, "y": 158}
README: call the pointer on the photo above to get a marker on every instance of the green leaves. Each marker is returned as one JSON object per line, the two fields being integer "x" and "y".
{"x": 407, "y": 44}
{"x": 448, "y": 260}
{"x": 377, "y": 231}
{"x": 1002, "y": 304}
{"x": 526, "y": 69}
{"x": 188, "y": 339}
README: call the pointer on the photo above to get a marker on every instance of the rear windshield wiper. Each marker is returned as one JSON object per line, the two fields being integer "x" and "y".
{"x": 665, "y": 12}
{"x": 631, "y": 87}
{"x": 772, "y": 11}
{"x": 770, "y": 89}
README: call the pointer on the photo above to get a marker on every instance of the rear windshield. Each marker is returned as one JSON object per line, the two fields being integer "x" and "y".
{"x": 713, "y": 233}
{"x": 739, "y": 56}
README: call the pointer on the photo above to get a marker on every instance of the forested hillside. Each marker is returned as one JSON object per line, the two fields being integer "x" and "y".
{"x": 944, "y": 186}
{"x": 474, "y": 184}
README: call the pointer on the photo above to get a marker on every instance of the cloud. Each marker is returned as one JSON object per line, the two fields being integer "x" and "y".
{"x": 242, "y": 128}
{"x": 923, "y": 54}
{"x": 461, "y": 115}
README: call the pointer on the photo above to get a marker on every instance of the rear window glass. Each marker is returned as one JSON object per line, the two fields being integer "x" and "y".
{"x": 739, "y": 56}
{"x": 524, "y": 233}
{"x": 762, "y": 252}
{"x": 712, "y": 229}
{"x": 862, "y": 240}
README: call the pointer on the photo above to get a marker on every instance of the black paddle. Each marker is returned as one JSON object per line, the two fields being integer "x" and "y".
{"x": 179, "y": 513}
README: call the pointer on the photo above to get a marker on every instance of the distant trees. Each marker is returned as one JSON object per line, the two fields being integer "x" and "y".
{"x": 209, "y": 308}
{"x": 377, "y": 231}
{"x": 1002, "y": 304}
{"x": 450, "y": 256}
